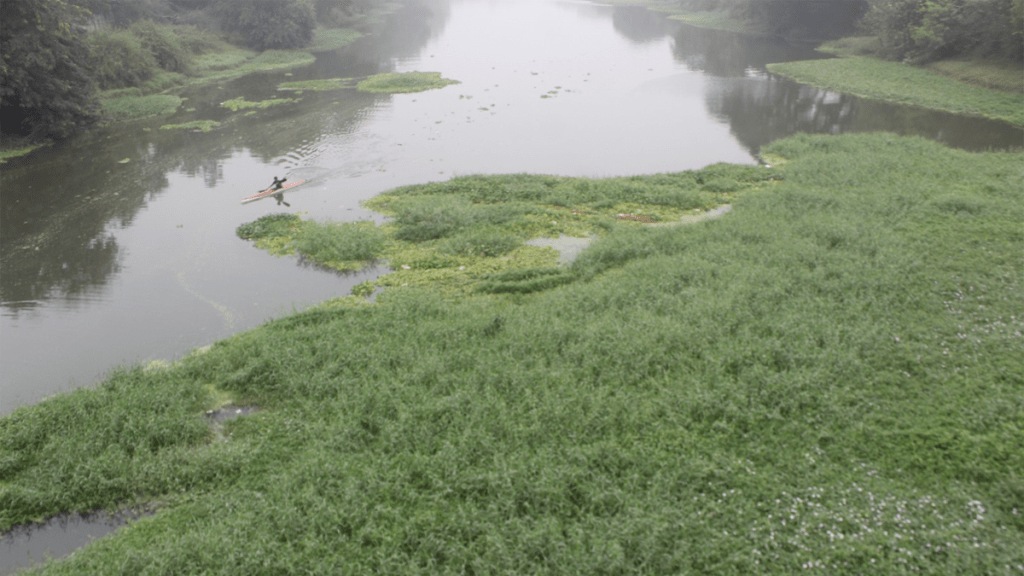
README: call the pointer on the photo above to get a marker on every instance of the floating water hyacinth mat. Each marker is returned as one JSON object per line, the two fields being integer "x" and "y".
{"x": 404, "y": 82}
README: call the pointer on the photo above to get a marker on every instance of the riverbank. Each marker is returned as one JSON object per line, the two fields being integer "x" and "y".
{"x": 993, "y": 90}
{"x": 869, "y": 77}
{"x": 215, "y": 61}
{"x": 825, "y": 378}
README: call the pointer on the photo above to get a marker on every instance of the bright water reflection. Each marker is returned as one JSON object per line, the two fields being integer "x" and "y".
{"x": 120, "y": 247}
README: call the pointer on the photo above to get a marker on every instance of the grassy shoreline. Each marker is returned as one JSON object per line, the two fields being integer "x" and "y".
{"x": 975, "y": 88}
{"x": 905, "y": 84}
{"x": 161, "y": 95}
{"x": 827, "y": 379}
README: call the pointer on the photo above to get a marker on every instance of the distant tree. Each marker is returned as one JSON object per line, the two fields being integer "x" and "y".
{"x": 804, "y": 19}
{"x": 45, "y": 86}
{"x": 267, "y": 24}
{"x": 121, "y": 13}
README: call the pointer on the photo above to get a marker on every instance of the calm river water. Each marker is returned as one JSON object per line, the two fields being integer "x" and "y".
{"x": 120, "y": 247}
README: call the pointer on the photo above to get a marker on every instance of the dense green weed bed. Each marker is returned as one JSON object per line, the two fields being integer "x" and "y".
{"x": 828, "y": 379}
{"x": 404, "y": 82}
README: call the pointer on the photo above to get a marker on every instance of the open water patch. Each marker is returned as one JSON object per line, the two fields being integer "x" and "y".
{"x": 33, "y": 544}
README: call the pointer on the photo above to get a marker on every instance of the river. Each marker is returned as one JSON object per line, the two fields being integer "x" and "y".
{"x": 119, "y": 247}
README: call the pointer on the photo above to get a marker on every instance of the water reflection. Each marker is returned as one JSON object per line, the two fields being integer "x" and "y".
{"x": 640, "y": 24}
{"x": 762, "y": 108}
{"x": 728, "y": 55}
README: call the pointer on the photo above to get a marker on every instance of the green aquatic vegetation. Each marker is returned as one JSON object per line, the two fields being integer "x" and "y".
{"x": 132, "y": 107}
{"x": 237, "y": 62}
{"x": 341, "y": 246}
{"x": 456, "y": 235}
{"x": 193, "y": 126}
{"x": 1004, "y": 76}
{"x": 825, "y": 380}
{"x": 226, "y": 58}
{"x": 320, "y": 85}
{"x": 274, "y": 233}
{"x": 345, "y": 247}
{"x": 240, "y": 103}
{"x": 715, "y": 20}
{"x": 852, "y": 46}
{"x": 404, "y": 82}
{"x": 17, "y": 152}
{"x": 906, "y": 84}
{"x": 328, "y": 39}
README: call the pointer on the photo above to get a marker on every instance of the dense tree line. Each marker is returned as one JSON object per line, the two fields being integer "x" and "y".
{"x": 46, "y": 85}
{"x": 914, "y": 30}
{"x": 56, "y": 54}
{"x": 808, "y": 20}
{"x": 928, "y": 30}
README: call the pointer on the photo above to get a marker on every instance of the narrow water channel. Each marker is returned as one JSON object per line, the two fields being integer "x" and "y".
{"x": 119, "y": 247}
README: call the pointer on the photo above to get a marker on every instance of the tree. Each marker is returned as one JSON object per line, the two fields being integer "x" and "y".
{"x": 927, "y": 30}
{"x": 267, "y": 24}
{"x": 45, "y": 86}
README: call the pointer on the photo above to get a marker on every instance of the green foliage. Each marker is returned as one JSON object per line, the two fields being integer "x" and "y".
{"x": 826, "y": 380}
{"x": 482, "y": 241}
{"x": 996, "y": 75}
{"x": 804, "y": 19}
{"x": 193, "y": 126}
{"x": 327, "y": 39}
{"x": 270, "y": 24}
{"x": 340, "y": 245}
{"x": 45, "y": 86}
{"x": 133, "y": 107}
{"x": 404, "y": 82}
{"x": 525, "y": 280}
{"x": 236, "y": 62}
{"x": 429, "y": 218}
{"x": 240, "y": 103}
{"x": 163, "y": 43}
{"x": 906, "y": 84}
{"x": 141, "y": 431}
{"x": 319, "y": 85}
{"x": 269, "y": 225}
{"x": 120, "y": 60}
{"x": 936, "y": 29}
{"x": 16, "y": 149}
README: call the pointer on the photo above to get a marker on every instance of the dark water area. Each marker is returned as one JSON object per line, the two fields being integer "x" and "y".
{"x": 119, "y": 247}
{"x": 31, "y": 545}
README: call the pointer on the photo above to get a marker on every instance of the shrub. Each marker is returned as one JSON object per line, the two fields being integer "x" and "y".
{"x": 269, "y": 24}
{"x": 119, "y": 59}
{"x": 336, "y": 243}
{"x": 163, "y": 44}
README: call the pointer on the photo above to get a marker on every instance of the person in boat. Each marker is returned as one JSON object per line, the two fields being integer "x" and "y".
{"x": 277, "y": 185}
